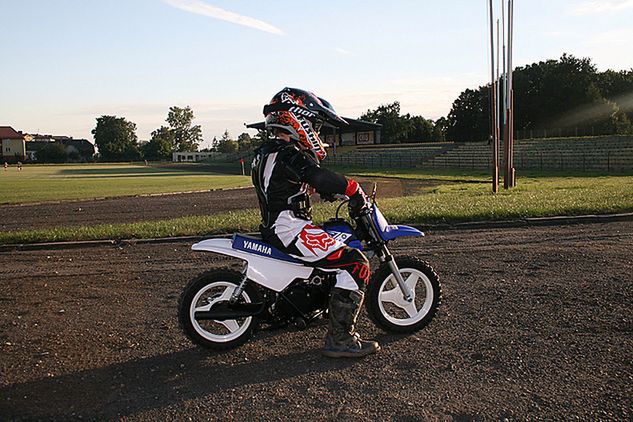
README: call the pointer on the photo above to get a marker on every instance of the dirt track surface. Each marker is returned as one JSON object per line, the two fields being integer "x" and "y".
{"x": 124, "y": 209}
{"x": 158, "y": 207}
{"x": 535, "y": 324}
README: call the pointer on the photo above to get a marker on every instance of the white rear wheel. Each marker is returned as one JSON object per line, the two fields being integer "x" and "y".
{"x": 212, "y": 330}
{"x": 200, "y": 295}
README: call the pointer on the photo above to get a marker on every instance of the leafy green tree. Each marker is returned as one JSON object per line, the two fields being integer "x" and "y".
{"x": 186, "y": 135}
{"x": 160, "y": 146}
{"x": 244, "y": 142}
{"x": 53, "y": 152}
{"x": 74, "y": 156}
{"x": 614, "y": 84}
{"x": 225, "y": 144}
{"x": 546, "y": 91}
{"x": 116, "y": 139}
{"x": 618, "y": 88}
{"x": 439, "y": 129}
{"x": 598, "y": 114}
{"x": 422, "y": 130}
{"x": 566, "y": 94}
{"x": 469, "y": 116}
{"x": 395, "y": 128}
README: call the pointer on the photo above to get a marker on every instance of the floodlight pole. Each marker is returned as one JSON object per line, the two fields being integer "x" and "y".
{"x": 511, "y": 89}
{"x": 493, "y": 108}
{"x": 499, "y": 108}
{"x": 509, "y": 175}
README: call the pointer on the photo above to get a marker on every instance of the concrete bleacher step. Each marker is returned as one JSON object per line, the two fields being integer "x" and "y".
{"x": 600, "y": 153}
{"x": 595, "y": 153}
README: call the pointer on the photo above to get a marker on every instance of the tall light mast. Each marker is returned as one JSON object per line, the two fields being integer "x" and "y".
{"x": 502, "y": 109}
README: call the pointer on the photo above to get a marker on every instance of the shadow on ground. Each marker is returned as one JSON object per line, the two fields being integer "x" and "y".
{"x": 155, "y": 382}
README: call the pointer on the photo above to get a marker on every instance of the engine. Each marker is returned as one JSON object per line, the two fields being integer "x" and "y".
{"x": 303, "y": 298}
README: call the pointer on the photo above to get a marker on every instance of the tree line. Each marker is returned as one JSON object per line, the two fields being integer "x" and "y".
{"x": 117, "y": 141}
{"x": 398, "y": 128}
{"x": 568, "y": 93}
{"x": 116, "y": 138}
{"x": 244, "y": 142}
{"x": 552, "y": 94}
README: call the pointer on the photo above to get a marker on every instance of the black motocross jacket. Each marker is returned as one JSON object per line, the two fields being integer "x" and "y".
{"x": 283, "y": 174}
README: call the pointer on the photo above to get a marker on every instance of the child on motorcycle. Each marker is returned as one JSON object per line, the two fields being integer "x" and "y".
{"x": 284, "y": 171}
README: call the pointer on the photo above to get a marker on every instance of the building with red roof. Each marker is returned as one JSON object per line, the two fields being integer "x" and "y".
{"x": 13, "y": 144}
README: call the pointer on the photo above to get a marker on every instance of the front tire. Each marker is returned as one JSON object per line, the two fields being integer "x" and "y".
{"x": 200, "y": 295}
{"x": 386, "y": 306}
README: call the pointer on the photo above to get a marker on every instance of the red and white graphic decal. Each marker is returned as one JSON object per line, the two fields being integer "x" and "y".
{"x": 313, "y": 238}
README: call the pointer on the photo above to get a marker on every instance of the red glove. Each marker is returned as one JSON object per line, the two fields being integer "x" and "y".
{"x": 358, "y": 201}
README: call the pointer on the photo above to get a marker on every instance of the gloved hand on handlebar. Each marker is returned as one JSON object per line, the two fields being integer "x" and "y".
{"x": 358, "y": 201}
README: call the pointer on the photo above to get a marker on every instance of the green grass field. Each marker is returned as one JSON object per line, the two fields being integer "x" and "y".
{"x": 465, "y": 196}
{"x": 40, "y": 183}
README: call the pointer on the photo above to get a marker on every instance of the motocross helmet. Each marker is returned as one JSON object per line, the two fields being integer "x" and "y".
{"x": 301, "y": 114}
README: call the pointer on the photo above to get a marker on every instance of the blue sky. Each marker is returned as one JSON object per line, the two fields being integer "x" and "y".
{"x": 66, "y": 62}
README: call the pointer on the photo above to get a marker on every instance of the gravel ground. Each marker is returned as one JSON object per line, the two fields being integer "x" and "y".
{"x": 535, "y": 324}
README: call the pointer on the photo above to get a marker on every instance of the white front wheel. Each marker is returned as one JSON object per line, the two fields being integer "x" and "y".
{"x": 386, "y": 304}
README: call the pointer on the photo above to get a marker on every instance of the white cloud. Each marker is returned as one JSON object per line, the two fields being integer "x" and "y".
{"x": 593, "y": 7}
{"x": 342, "y": 51}
{"x": 201, "y": 8}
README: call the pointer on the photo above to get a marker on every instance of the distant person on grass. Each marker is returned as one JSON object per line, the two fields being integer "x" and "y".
{"x": 285, "y": 171}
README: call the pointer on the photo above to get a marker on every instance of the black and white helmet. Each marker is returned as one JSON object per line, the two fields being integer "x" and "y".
{"x": 301, "y": 114}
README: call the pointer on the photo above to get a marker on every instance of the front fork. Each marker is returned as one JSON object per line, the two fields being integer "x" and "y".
{"x": 386, "y": 256}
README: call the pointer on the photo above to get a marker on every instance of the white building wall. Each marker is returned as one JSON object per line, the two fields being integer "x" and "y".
{"x": 11, "y": 147}
{"x": 348, "y": 139}
{"x": 190, "y": 157}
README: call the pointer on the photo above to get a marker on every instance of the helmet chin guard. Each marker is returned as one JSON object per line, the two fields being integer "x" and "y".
{"x": 301, "y": 114}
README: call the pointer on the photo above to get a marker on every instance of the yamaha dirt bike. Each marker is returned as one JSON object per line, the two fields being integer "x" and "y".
{"x": 221, "y": 308}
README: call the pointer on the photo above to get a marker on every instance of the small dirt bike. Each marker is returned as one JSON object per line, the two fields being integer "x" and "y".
{"x": 221, "y": 308}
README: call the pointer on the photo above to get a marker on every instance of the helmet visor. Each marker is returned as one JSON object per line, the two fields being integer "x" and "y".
{"x": 329, "y": 111}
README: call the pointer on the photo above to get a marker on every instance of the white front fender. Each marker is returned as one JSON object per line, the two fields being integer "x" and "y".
{"x": 269, "y": 272}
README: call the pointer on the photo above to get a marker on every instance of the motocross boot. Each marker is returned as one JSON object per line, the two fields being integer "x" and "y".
{"x": 342, "y": 340}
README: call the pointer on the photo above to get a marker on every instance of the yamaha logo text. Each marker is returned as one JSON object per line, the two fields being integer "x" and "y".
{"x": 256, "y": 247}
